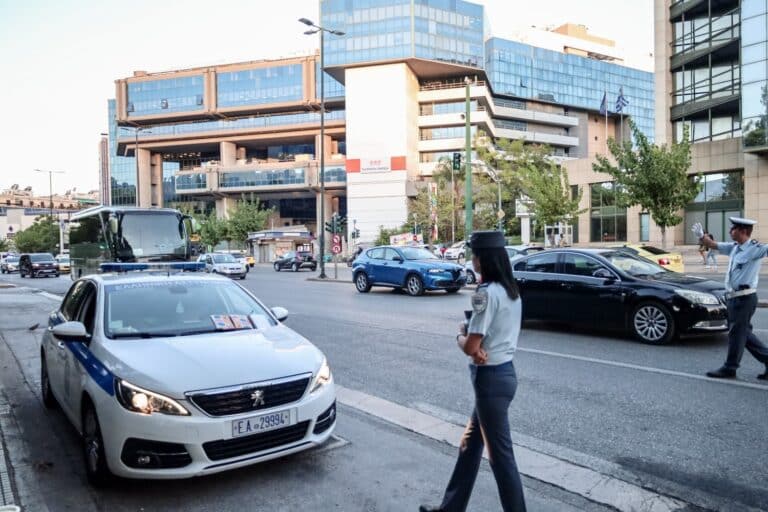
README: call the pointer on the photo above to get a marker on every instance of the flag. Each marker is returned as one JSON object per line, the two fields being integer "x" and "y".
{"x": 603, "y": 106}
{"x": 621, "y": 101}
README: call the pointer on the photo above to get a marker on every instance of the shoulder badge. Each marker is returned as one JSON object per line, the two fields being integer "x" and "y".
{"x": 754, "y": 242}
{"x": 480, "y": 300}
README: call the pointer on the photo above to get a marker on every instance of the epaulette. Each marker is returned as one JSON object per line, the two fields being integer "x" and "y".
{"x": 754, "y": 242}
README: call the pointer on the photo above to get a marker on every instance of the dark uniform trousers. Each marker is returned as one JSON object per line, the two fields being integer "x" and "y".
{"x": 495, "y": 388}
{"x": 740, "y": 335}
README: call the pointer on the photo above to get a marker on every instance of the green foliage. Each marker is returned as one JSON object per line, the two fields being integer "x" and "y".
{"x": 5, "y": 245}
{"x": 42, "y": 236}
{"x": 247, "y": 216}
{"x": 212, "y": 230}
{"x": 550, "y": 192}
{"x": 384, "y": 234}
{"x": 654, "y": 177}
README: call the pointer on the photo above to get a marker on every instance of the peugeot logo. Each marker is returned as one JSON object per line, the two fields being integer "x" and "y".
{"x": 258, "y": 397}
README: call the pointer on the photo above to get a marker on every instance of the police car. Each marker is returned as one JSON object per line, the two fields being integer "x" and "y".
{"x": 178, "y": 375}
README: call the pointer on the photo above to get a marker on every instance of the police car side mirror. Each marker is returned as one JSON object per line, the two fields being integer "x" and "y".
{"x": 71, "y": 332}
{"x": 280, "y": 313}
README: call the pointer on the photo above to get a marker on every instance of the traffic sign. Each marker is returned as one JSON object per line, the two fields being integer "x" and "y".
{"x": 336, "y": 248}
{"x": 336, "y": 239}
{"x": 500, "y": 214}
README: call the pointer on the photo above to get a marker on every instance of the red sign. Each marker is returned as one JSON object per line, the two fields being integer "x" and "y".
{"x": 336, "y": 248}
{"x": 336, "y": 239}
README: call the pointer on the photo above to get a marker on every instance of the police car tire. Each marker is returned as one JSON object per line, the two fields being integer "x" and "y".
{"x": 656, "y": 311}
{"x": 49, "y": 401}
{"x": 414, "y": 285}
{"x": 362, "y": 284}
{"x": 94, "y": 458}
{"x": 470, "y": 277}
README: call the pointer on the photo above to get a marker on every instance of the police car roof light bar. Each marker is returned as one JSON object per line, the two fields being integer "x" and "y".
{"x": 163, "y": 267}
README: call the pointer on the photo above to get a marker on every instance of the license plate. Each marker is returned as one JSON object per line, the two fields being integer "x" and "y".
{"x": 262, "y": 423}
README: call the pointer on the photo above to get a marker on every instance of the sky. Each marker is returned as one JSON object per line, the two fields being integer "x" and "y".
{"x": 60, "y": 58}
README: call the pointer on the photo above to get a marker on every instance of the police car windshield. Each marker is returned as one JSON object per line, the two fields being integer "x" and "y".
{"x": 632, "y": 265}
{"x": 417, "y": 253}
{"x": 149, "y": 309}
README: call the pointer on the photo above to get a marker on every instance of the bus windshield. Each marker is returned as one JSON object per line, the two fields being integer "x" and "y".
{"x": 159, "y": 236}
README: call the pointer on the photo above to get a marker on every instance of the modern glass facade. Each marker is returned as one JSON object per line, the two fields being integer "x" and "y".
{"x": 122, "y": 169}
{"x": 754, "y": 72}
{"x": 607, "y": 221}
{"x": 375, "y": 30}
{"x": 518, "y": 69}
{"x": 274, "y": 84}
{"x": 180, "y": 94}
{"x": 262, "y": 178}
{"x": 721, "y": 196}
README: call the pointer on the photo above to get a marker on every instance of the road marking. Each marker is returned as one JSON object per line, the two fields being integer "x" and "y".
{"x": 649, "y": 369}
{"x": 580, "y": 480}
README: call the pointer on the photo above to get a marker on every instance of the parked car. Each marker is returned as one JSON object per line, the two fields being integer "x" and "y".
{"x": 178, "y": 375}
{"x": 64, "y": 263}
{"x": 412, "y": 268}
{"x": 224, "y": 264}
{"x": 38, "y": 264}
{"x": 514, "y": 252}
{"x": 455, "y": 252}
{"x": 9, "y": 264}
{"x": 295, "y": 260}
{"x": 611, "y": 288}
{"x": 669, "y": 260}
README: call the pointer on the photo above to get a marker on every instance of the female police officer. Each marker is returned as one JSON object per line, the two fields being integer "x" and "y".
{"x": 490, "y": 340}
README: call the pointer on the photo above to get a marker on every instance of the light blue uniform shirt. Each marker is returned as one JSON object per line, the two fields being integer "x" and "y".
{"x": 497, "y": 318}
{"x": 744, "y": 263}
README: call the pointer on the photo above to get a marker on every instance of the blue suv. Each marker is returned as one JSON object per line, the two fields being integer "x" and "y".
{"x": 414, "y": 269}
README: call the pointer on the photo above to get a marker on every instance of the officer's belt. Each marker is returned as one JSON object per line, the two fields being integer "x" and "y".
{"x": 740, "y": 293}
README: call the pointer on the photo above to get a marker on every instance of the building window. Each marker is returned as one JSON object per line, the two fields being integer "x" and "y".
{"x": 163, "y": 103}
{"x": 645, "y": 227}
{"x": 608, "y": 222}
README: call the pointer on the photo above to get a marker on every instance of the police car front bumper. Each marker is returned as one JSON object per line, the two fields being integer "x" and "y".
{"x": 139, "y": 445}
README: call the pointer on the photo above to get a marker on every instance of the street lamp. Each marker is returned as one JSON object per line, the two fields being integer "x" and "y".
{"x": 50, "y": 194}
{"x": 321, "y": 224}
{"x": 136, "y": 130}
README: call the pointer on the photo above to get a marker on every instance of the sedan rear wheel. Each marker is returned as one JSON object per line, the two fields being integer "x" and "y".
{"x": 652, "y": 323}
{"x": 362, "y": 283}
{"x": 414, "y": 285}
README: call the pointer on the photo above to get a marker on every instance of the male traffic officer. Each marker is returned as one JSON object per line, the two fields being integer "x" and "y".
{"x": 741, "y": 294}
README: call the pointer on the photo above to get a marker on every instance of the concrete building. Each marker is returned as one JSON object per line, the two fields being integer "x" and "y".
{"x": 711, "y": 76}
{"x": 395, "y": 97}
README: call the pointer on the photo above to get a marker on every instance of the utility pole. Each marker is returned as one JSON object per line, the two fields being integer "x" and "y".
{"x": 50, "y": 196}
{"x": 468, "y": 166}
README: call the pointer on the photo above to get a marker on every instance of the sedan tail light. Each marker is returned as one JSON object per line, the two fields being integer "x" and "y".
{"x": 663, "y": 261}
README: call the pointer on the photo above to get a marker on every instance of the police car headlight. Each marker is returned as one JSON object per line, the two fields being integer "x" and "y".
{"x": 435, "y": 271}
{"x": 697, "y": 297}
{"x": 140, "y": 400}
{"x": 322, "y": 377}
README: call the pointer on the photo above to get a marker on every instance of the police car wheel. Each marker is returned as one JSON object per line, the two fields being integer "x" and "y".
{"x": 93, "y": 448}
{"x": 49, "y": 401}
{"x": 652, "y": 323}
{"x": 470, "y": 277}
{"x": 362, "y": 283}
{"x": 276, "y": 267}
{"x": 414, "y": 286}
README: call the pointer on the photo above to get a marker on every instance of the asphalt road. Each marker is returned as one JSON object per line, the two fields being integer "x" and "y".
{"x": 598, "y": 399}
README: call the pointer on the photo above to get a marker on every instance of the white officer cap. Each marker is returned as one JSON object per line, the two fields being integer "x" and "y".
{"x": 742, "y": 222}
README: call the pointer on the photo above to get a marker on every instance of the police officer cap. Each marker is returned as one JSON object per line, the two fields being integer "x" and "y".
{"x": 741, "y": 222}
{"x": 486, "y": 239}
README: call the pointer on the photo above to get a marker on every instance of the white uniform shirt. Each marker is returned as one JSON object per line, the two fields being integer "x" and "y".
{"x": 497, "y": 318}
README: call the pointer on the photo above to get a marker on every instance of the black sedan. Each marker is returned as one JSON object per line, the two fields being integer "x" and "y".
{"x": 295, "y": 260}
{"x": 616, "y": 290}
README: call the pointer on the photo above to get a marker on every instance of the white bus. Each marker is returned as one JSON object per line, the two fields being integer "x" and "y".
{"x": 125, "y": 234}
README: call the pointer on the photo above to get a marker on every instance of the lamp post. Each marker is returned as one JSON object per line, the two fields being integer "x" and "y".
{"x": 50, "y": 192}
{"x": 321, "y": 224}
{"x": 494, "y": 175}
{"x": 468, "y": 166}
{"x": 136, "y": 130}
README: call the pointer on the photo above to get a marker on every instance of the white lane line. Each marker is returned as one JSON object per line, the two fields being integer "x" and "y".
{"x": 650, "y": 369}
{"x": 580, "y": 480}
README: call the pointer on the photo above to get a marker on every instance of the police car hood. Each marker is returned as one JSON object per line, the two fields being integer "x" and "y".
{"x": 172, "y": 366}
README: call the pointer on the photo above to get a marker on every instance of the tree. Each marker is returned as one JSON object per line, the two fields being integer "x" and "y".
{"x": 247, "y": 216}
{"x": 384, "y": 234}
{"x": 42, "y": 236}
{"x": 654, "y": 177}
{"x": 550, "y": 193}
{"x": 212, "y": 230}
{"x": 5, "y": 245}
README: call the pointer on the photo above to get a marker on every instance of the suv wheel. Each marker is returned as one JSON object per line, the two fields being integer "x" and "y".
{"x": 414, "y": 285}
{"x": 362, "y": 283}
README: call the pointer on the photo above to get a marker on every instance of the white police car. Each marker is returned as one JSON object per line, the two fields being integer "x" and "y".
{"x": 179, "y": 375}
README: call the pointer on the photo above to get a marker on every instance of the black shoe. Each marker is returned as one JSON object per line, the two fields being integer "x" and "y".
{"x": 764, "y": 375}
{"x": 428, "y": 508}
{"x": 722, "y": 373}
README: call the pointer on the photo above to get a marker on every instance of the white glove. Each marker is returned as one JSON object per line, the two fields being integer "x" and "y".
{"x": 697, "y": 230}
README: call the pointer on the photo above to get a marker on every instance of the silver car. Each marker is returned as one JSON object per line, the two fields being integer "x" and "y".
{"x": 224, "y": 264}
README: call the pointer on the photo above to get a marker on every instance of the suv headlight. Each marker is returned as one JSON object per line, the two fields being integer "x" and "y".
{"x": 140, "y": 400}
{"x": 322, "y": 377}
{"x": 697, "y": 297}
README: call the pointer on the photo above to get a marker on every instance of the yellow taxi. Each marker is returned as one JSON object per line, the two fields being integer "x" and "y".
{"x": 669, "y": 260}
{"x": 250, "y": 260}
{"x": 63, "y": 261}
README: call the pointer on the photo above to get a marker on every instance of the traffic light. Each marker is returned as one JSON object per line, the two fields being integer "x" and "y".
{"x": 457, "y": 161}
{"x": 356, "y": 233}
{"x": 329, "y": 226}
